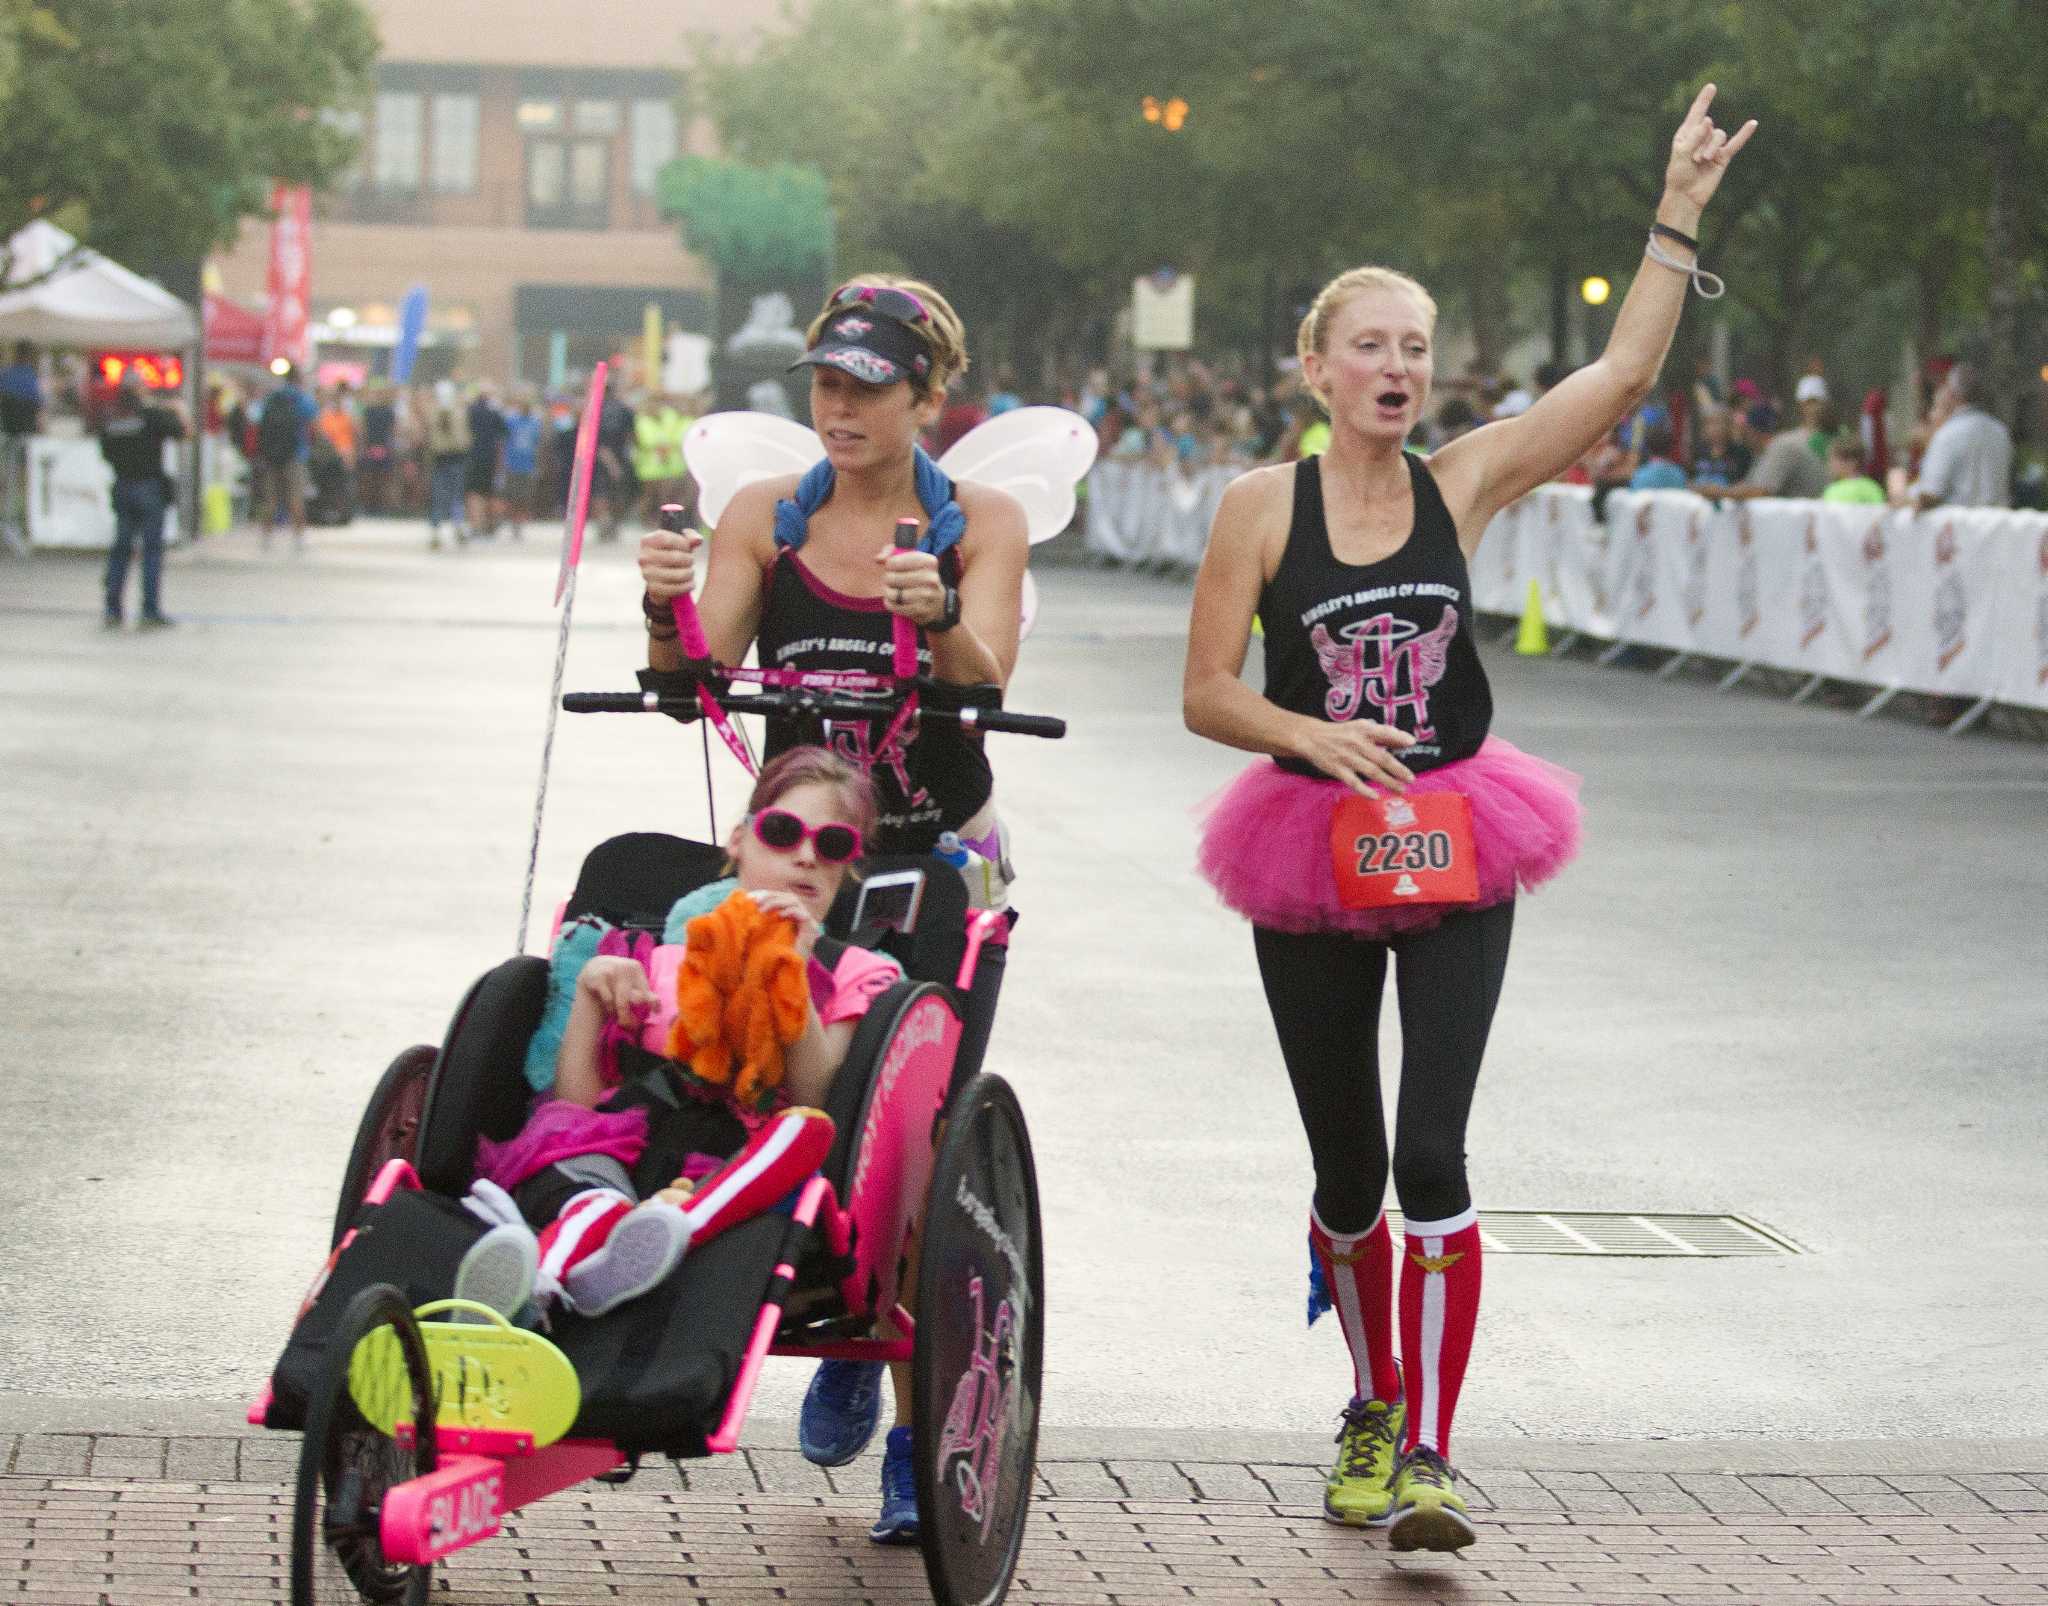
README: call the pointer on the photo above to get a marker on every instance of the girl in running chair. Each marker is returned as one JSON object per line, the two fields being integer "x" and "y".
{"x": 568, "y": 1172}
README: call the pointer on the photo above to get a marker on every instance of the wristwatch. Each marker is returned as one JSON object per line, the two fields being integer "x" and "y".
{"x": 949, "y": 615}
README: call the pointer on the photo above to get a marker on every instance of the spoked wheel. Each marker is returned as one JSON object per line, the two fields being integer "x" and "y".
{"x": 375, "y": 1368}
{"x": 980, "y": 1351}
{"x": 389, "y": 1130}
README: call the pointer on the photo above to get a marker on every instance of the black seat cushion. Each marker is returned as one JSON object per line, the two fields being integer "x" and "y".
{"x": 635, "y": 879}
{"x": 931, "y": 952}
{"x": 655, "y": 1372}
{"x": 479, "y": 1084}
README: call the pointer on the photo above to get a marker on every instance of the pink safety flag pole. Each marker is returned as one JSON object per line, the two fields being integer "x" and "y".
{"x": 577, "y": 513}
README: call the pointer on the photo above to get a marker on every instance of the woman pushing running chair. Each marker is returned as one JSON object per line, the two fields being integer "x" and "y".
{"x": 1386, "y": 823}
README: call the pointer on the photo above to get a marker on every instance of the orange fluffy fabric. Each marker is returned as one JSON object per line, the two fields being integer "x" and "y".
{"x": 742, "y": 997}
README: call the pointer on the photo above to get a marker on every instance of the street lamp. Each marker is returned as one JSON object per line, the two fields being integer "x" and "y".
{"x": 1167, "y": 114}
{"x": 1594, "y": 291}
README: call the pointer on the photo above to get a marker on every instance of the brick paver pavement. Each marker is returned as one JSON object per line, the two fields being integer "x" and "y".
{"x": 104, "y": 1520}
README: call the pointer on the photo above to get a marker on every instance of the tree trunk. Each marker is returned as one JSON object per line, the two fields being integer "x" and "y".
{"x": 1560, "y": 312}
{"x": 2002, "y": 271}
{"x": 1930, "y": 290}
{"x": 1490, "y": 307}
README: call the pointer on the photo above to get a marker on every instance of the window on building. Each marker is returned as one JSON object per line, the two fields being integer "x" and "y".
{"x": 590, "y": 170}
{"x": 456, "y": 120}
{"x": 568, "y": 183}
{"x": 595, "y": 117}
{"x": 540, "y": 116}
{"x": 654, "y": 142}
{"x": 546, "y": 175}
{"x": 347, "y": 121}
{"x": 397, "y": 164}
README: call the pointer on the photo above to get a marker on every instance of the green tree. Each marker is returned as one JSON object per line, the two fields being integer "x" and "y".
{"x": 152, "y": 128}
{"x": 752, "y": 222}
{"x": 1937, "y": 125}
{"x": 911, "y": 147}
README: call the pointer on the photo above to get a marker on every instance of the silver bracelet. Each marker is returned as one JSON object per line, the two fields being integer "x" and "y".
{"x": 1700, "y": 277}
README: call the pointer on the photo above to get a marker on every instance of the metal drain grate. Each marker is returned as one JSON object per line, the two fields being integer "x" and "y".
{"x": 1602, "y": 1232}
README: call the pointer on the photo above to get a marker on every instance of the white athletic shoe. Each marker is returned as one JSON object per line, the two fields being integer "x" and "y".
{"x": 498, "y": 1270}
{"x": 642, "y": 1249}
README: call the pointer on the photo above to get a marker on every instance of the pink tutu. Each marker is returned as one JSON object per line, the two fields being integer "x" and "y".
{"x": 560, "y": 1130}
{"x": 1266, "y": 839}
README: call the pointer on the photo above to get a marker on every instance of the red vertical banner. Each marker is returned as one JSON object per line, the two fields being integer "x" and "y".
{"x": 291, "y": 273}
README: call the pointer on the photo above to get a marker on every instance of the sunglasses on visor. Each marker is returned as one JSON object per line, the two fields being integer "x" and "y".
{"x": 886, "y": 299}
{"x": 783, "y": 831}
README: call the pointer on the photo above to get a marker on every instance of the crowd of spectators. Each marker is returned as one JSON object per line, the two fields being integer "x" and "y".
{"x": 471, "y": 459}
{"x": 1727, "y": 443}
{"x": 476, "y": 458}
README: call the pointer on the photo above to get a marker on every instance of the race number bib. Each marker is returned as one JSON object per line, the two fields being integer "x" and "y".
{"x": 1390, "y": 851}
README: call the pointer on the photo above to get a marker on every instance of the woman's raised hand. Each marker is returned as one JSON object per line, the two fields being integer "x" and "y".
{"x": 1700, "y": 153}
{"x": 1357, "y": 752}
{"x": 668, "y": 563}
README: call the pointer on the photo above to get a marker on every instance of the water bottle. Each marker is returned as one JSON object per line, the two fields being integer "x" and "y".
{"x": 985, "y": 887}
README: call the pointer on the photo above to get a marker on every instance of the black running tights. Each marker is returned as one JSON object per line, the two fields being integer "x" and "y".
{"x": 1324, "y": 991}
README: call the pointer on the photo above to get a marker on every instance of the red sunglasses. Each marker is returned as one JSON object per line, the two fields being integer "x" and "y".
{"x": 886, "y": 299}
{"x": 783, "y": 831}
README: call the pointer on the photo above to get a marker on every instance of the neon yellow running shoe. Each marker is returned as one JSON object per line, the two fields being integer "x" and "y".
{"x": 1358, "y": 1491}
{"x": 1428, "y": 1513}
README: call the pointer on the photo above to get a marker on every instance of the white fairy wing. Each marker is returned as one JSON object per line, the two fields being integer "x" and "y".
{"x": 1030, "y": 600}
{"x": 728, "y": 450}
{"x": 1037, "y": 454}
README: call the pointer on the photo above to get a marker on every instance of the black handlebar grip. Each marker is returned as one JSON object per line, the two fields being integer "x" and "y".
{"x": 906, "y": 534}
{"x": 609, "y": 702}
{"x": 994, "y": 719}
{"x": 672, "y": 517}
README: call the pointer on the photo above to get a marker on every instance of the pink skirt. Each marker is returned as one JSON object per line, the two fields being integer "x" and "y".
{"x": 1265, "y": 840}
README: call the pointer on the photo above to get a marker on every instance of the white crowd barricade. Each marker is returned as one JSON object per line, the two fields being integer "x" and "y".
{"x": 1950, "y": 602}
{"x": 1140, "y": 512}
{"x": 1953, "y": 602}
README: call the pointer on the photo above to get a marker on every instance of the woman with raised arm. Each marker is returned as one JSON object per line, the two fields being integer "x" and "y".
{"x": 803, "y": 569}
{"x": 1387, "y": 823}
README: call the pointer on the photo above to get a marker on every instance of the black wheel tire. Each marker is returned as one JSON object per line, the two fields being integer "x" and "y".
{"x": 346, "y": 1466}
{"x": 980, "y": 1358}
{"x": 389, "y": 1130}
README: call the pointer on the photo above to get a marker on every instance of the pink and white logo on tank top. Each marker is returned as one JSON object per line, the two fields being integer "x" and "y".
{"x": 1387, "y": 661}
{"x": 854, "y": 741}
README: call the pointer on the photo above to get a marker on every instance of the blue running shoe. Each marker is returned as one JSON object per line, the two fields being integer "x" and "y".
{"x": 841, "y": 1408}
{"x": 897, "y": 1525}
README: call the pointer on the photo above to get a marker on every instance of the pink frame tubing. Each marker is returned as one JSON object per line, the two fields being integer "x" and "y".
{"x": 467, "y": 1497}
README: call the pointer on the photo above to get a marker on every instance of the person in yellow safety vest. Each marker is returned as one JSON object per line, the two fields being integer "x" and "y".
{"x": 658, "y": 432}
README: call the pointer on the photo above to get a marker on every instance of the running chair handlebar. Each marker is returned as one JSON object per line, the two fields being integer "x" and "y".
{"x": 807, "y": 704}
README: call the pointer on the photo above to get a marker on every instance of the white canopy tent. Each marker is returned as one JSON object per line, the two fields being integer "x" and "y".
{"x": 88, "y": 300}
{"x": 61, "y": 295}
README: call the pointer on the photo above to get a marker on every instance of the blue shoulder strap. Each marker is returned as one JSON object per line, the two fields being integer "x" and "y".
{"x": 944, "y": 522}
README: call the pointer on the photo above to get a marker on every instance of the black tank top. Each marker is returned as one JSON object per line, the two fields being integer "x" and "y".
{"x": 1389, "y": 641}
{"x": 936, "y": 782}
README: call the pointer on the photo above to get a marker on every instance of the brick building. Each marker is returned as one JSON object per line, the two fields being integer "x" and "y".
{"x": 508, "y": 163}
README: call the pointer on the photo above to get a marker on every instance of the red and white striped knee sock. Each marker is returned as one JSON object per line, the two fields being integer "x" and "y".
{"x": 577, "y": 1233}
{"x": 781, "y": 1154}
{"x": 1358, "y": 1273}
{"x": 1439, "y": 1310}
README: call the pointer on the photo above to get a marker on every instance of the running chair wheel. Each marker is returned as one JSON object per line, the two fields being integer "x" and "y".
{"x": 389, "y": 1130}
{"x": 347, "y": 1466}
{"x": 979, "y": 1361}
